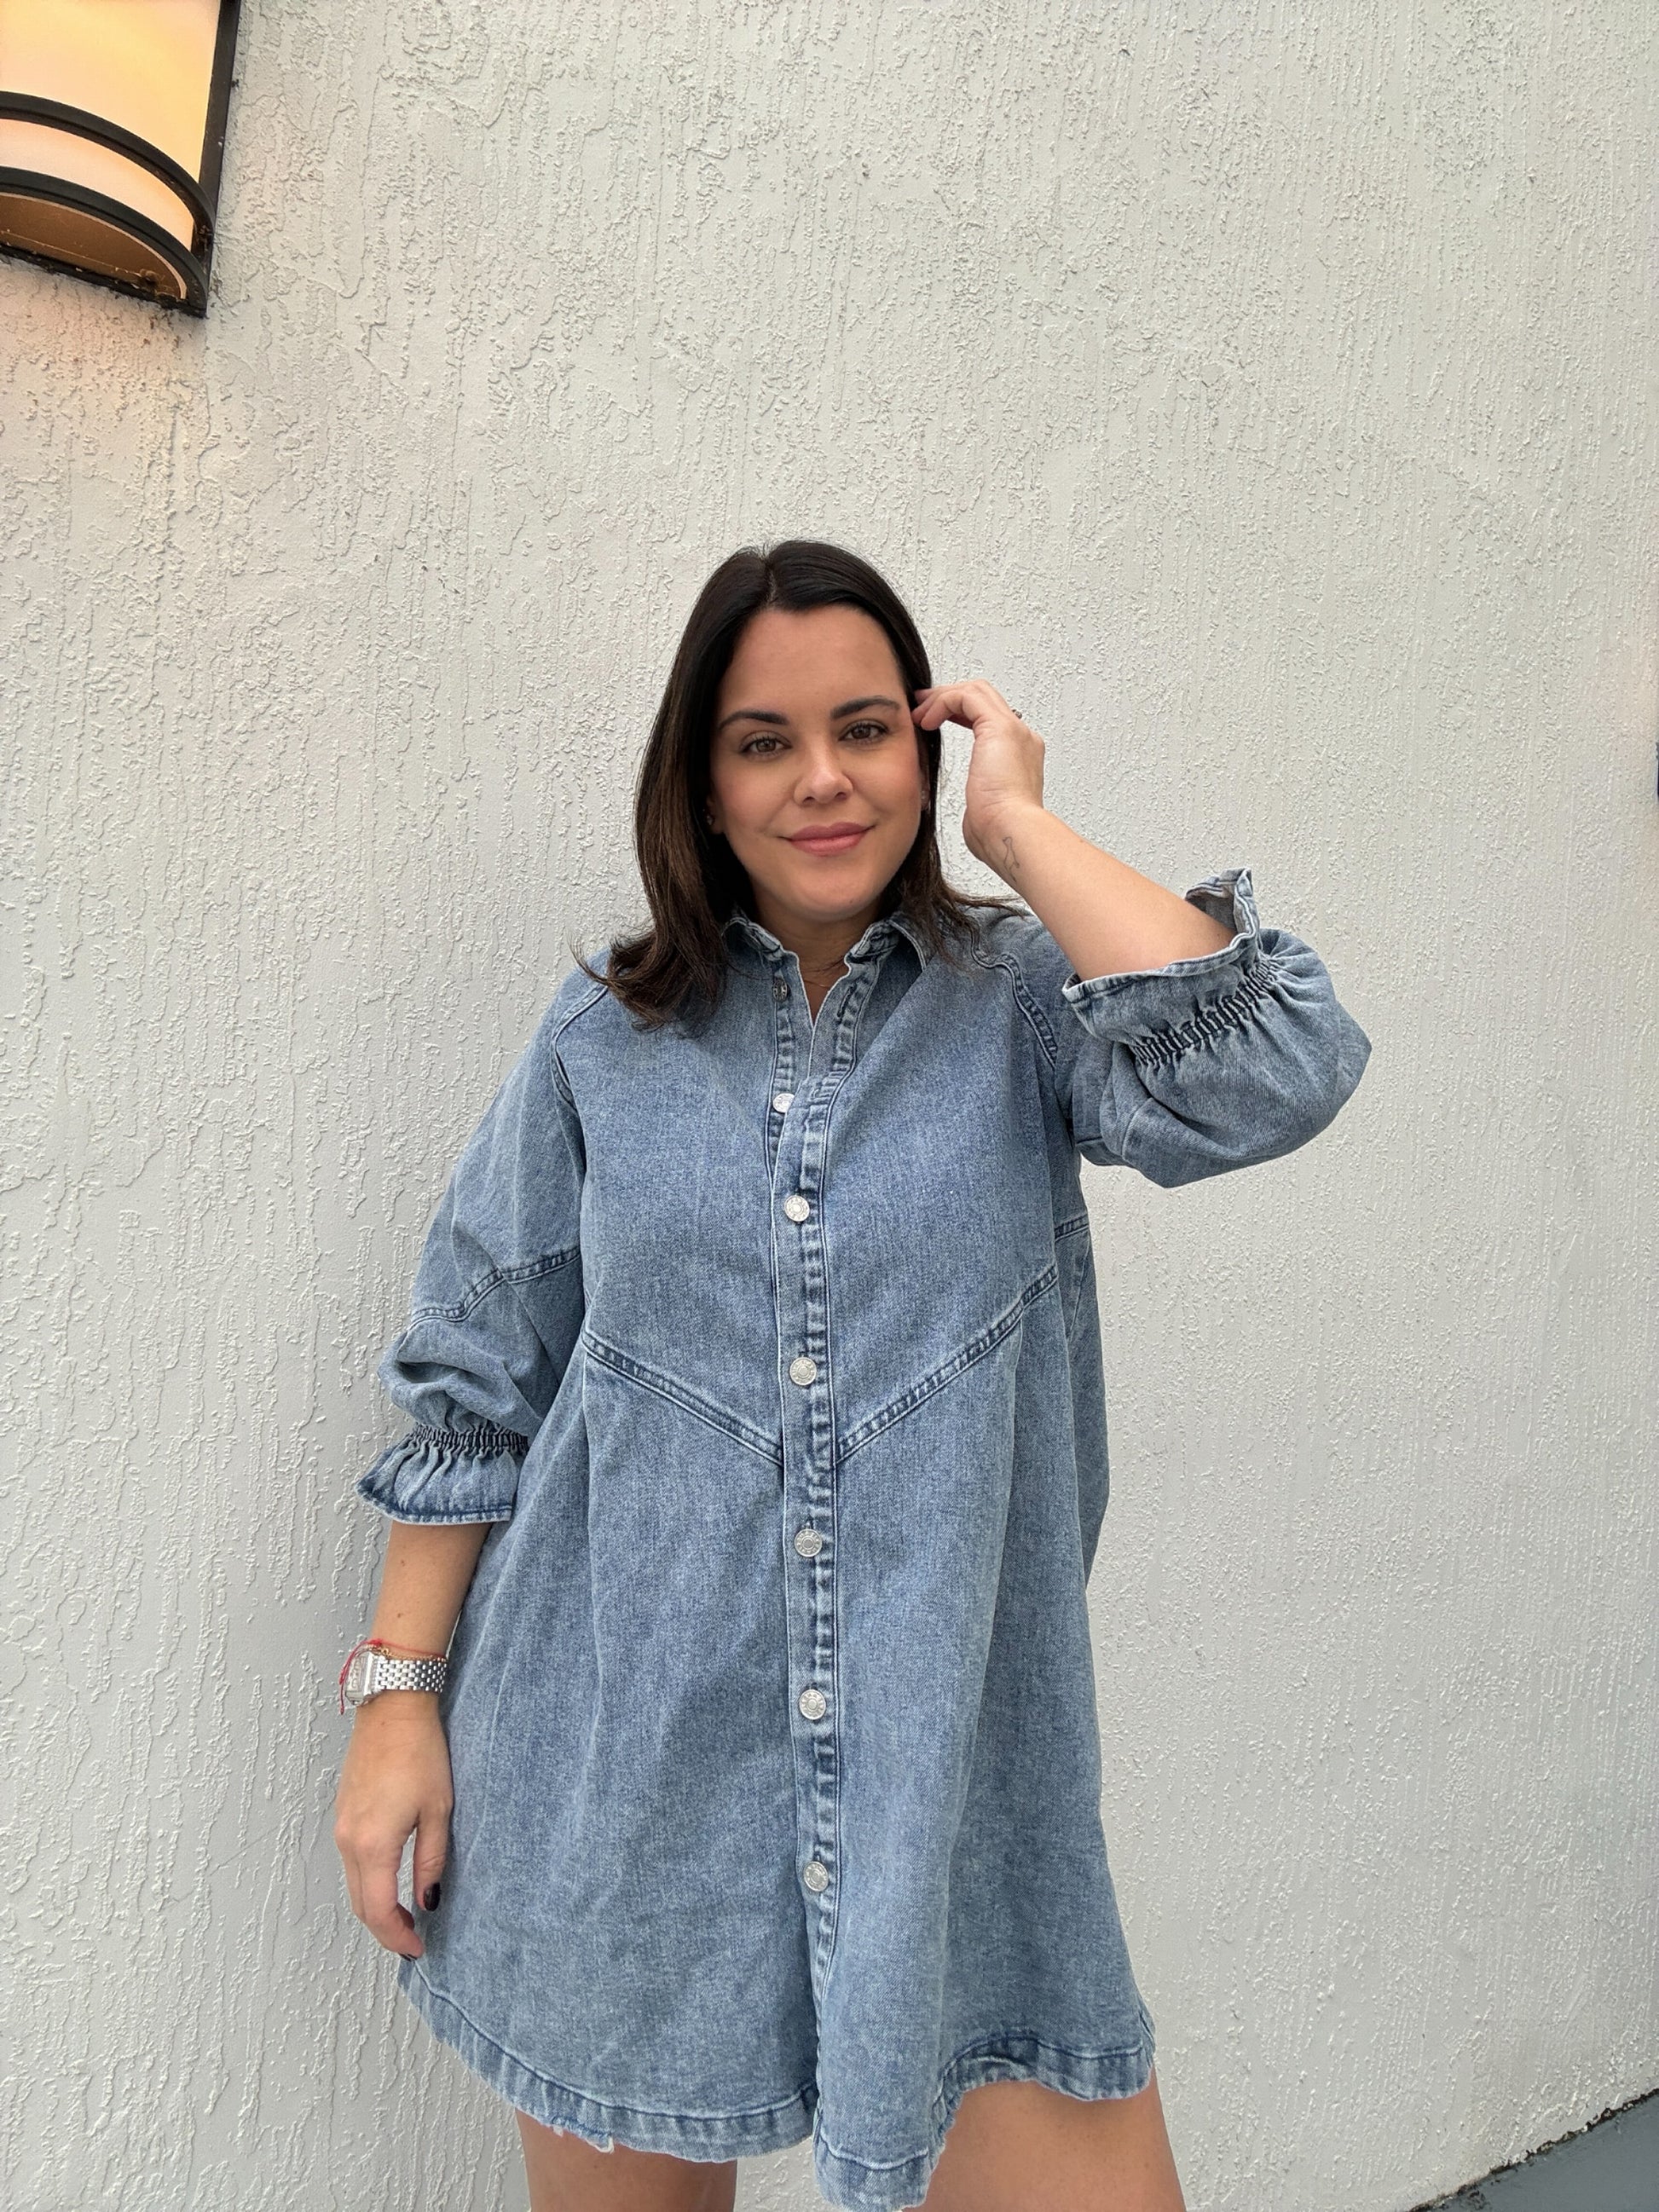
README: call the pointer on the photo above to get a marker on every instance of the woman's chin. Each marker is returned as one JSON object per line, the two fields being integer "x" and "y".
{"x": 837, "y": 896}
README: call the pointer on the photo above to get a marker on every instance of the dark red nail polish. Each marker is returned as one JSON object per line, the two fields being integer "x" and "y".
{"x": 430, "y": 1899}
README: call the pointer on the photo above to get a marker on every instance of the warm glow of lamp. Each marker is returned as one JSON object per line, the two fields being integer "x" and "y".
{"x": 111, "y": 132}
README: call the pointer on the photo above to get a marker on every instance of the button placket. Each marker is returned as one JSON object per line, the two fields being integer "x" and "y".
{"x": 785, "y": 1061}
{"x": 798, "y": 1124}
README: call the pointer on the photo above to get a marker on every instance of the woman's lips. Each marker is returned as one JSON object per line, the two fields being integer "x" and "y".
{"x": 843, "y": 843}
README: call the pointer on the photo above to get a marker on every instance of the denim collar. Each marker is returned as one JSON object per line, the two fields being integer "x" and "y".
{"x": 876, "y": 940}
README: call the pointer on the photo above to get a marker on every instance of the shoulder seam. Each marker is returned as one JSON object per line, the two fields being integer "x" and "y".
{"x": 474, "y": 1294}
{"x": 596, "y": 991}
{"x": 1035, "y": 1018}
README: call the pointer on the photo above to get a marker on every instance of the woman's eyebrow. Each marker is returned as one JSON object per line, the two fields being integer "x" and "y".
{"x": 857, "y": 706}
{"x": 781, "y": 722}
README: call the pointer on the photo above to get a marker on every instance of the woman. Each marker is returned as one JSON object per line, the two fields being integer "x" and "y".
{"x": 759, "y": 1458}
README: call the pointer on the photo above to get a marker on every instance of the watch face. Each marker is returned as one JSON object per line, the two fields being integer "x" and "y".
{"x": 356, "y": 1680}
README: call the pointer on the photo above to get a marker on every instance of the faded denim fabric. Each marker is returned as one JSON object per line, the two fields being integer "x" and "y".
{"x": 774, "y": 1353}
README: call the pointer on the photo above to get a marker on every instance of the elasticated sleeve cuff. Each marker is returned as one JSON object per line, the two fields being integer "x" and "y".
{"x": 447, "y": 1475}
{"x": 1162, "y": 1011}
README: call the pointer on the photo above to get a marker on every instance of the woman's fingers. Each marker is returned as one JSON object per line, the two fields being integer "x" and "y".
{"x": 1004, "y": 767}
{"x": 371, "y": 1862}
{"x": 395, "y": 1783}
{"x": 431, "y": 1847}
{"x": 386, "y": 1921}
{"x": 968, "y": 702}
{"x": 371, "y": 1873}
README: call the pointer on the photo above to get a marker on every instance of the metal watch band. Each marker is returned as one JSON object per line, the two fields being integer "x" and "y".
{"x": 389, "y": 1674}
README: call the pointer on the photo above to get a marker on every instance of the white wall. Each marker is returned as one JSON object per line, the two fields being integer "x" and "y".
{"x": 1263, "y": 396}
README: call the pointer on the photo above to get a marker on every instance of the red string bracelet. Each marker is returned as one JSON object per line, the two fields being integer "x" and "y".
{"x": 380, "y": 1644}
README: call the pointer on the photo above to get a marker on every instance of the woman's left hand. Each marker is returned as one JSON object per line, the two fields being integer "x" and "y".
{"x": 1004, "y": 769}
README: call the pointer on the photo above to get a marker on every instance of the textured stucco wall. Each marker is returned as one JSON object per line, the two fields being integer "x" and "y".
{"x": 1263, "y": 396}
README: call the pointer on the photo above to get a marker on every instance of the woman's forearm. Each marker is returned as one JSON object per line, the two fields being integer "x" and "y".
{"x": 428, "y": 1571}
{"x": 395, "y": 1778}
{"x": 1104, "y": 915}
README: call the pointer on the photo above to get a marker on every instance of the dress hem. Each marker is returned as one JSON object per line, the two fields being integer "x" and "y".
{"x": 1013, "y": 2056}
{"x": 851, "y": 2183}
{"x": 700, "y": 2135}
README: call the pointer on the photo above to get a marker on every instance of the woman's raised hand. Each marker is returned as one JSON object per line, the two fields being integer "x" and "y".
{"x": 1004, "y": 769}
{"x": 395, "y": 1781}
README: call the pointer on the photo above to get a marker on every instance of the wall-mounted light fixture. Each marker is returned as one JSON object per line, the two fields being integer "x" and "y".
{"x": 112, "y": 134}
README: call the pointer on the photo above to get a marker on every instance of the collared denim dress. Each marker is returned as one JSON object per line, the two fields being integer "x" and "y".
{"x": 773, "y": 1353}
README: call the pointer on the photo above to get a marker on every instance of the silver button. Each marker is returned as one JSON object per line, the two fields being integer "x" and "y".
{"x": 803, "y": 1369}
{"x": 815, "y": 1875}
{"x": 783, "y": 1100}
{"x": 813, "y": 1704}
{"x": 780, "y": 989}
{"x": 796, "y": 1207}
{"x": 808, "y": 1543}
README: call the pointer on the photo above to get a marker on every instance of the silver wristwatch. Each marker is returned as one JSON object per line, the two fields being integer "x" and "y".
{"x": 369, "y": 1671}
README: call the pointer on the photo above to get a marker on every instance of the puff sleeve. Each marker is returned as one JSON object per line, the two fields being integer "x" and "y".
{"x": 1208, "y": 1064}
{"x": 496, "y": 1307}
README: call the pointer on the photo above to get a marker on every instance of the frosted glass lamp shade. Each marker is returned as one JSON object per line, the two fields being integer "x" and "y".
{"x": 112, "y": 133}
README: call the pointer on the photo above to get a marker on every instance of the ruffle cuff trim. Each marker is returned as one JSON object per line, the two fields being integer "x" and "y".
{"x": 445, "y": 1475}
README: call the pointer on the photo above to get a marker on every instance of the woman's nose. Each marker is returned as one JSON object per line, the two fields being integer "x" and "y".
{"x": 824, "y": 773}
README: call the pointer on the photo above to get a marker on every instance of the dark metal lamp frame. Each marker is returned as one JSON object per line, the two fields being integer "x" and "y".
{"x": 190, "y": 265}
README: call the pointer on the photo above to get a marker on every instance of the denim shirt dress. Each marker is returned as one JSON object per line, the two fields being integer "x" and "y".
{"x": 772, "y": 1354}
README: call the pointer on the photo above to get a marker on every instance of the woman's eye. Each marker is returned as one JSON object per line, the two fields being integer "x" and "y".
{"x": 872, "y": 731}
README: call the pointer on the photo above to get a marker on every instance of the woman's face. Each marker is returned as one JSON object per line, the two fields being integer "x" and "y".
{"x": 812, "y": 732}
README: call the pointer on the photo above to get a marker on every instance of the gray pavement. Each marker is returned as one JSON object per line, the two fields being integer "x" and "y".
{"x": 1612, "y": 2166}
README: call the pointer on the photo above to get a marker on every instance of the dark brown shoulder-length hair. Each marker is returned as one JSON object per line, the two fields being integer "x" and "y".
{"x": 675, "y": 969}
